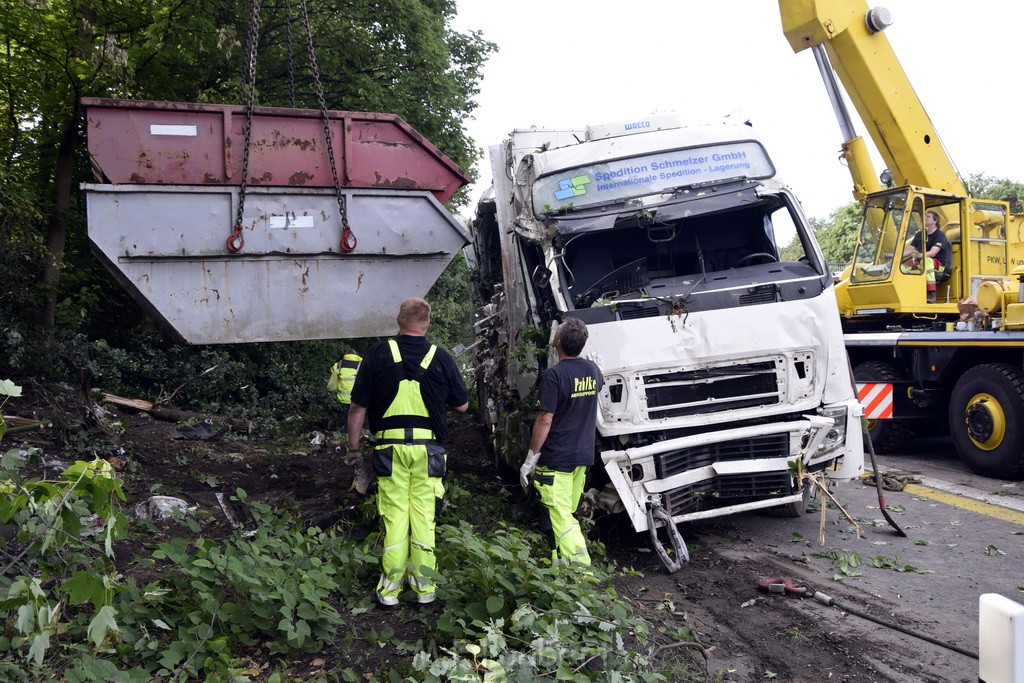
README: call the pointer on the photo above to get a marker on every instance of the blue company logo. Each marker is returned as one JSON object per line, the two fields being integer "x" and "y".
{"x": 572, "y": 187}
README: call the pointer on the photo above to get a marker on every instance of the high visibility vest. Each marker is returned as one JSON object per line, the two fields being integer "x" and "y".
{"x": 406, "y": 418}
{"x": 343, "y": 375}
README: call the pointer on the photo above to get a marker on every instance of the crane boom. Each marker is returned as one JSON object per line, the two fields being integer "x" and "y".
{"x": 853, "y": 38}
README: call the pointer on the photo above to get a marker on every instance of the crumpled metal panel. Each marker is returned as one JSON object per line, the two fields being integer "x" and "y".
{"x": 133, "y": 141}
{"x": 291, "y": 281}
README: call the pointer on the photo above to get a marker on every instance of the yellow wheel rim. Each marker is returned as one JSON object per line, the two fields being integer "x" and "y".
{"x": 986, "y": 422}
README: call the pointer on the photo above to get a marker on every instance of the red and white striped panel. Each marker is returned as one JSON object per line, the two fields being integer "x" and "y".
{"x": 876, "y": 399}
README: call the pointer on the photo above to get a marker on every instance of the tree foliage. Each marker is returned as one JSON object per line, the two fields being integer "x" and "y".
{"x": 837, "y": 234}
{"x": 989, "y": 187}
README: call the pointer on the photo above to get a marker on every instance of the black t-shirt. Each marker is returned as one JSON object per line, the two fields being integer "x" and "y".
{"x": 938, "y": 237}
{"x": 377, "y": 381}
{"x": 569, "y": 390}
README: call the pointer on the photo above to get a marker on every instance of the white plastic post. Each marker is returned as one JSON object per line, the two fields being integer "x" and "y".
{"x": 1000, "y": 640}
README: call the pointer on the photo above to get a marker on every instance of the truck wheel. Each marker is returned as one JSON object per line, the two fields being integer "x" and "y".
{"x": 986, "y": 420}
{"x": 887, "y": 436}
{"x": 792, "y": 509}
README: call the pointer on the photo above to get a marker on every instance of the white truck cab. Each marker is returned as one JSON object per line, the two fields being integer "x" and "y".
{"x": 725, "y": 370}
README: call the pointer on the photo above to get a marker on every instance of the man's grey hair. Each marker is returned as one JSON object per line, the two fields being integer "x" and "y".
{"x": 572, "y": 333}
{"x": 414, "y": 312}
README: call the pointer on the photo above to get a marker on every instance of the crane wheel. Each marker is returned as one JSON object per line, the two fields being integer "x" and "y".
{"x": 887, "y": 436}
{"x": 986, "y": 420}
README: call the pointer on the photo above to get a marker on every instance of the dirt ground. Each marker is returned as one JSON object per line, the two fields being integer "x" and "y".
{"x": 792, "y": 640}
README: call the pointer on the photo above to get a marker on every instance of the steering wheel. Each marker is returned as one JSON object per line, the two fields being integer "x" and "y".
{"x": 768, "y": 258}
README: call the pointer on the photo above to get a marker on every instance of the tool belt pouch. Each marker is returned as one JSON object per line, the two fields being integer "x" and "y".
{"x": 436, "y": 460}
{"x": 381, "y": 460}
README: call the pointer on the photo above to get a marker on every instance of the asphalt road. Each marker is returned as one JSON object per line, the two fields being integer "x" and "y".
{"x": 965, "y": 538}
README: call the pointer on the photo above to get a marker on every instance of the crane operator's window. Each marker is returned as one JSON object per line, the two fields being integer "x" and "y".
{"x": 878, "y": 238}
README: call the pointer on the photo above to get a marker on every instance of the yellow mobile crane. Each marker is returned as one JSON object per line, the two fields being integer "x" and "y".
{"x": 921, "y": 358}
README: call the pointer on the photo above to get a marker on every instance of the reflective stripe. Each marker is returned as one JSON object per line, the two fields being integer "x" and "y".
{"x": 876, "y": 399}
{"x": 408, "y": 401}
{"x": 397, "y": 356}
{"x": 405, "y": 435}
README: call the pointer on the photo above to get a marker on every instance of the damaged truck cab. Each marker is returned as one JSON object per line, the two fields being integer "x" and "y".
{"x": 725, "y": 370}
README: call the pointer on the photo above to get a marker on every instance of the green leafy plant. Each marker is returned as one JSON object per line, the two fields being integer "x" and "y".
{"x": 508, "y": 608}
{"x": 895, "y": 564}
{"x": 846, "y": 562}
{"x": 273, "y": 585}
{"x": 63, "y": 567}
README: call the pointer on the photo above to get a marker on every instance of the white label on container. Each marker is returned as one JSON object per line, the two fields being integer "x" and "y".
{"x": 169, "y": 129}
{"x": 290, "y": 221}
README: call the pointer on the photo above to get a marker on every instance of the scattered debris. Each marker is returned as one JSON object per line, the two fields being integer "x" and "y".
{"x": 891, "y": 482}
{"x": 17, "y": 424}
{"x": 162, "y": 507}
{"x": 173, "y": 415}
{"x": 201, "y": 431}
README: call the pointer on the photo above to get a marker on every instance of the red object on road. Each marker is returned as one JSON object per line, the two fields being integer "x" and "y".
{"x": 781, "y": 585}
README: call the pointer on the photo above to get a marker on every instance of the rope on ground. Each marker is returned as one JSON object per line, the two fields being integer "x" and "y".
{"x": 891, "y": 482}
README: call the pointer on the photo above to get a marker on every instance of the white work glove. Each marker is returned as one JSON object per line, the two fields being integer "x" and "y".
{"x": 526, "y": 471}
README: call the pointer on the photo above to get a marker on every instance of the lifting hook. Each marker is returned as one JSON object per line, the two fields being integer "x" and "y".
{"x": 236, "y": 242}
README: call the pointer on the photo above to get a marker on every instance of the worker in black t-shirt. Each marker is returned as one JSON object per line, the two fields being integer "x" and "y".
{"x": 936, "y": 256}
{"x": 562, "y": 442}
{"x": 403, "y": 388}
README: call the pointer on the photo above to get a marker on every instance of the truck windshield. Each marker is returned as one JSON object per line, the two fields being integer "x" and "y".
{"x": 649, "y": 174}
{"x": 731, "y": 252}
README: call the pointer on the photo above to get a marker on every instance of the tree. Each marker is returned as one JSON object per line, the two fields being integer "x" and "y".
{"x": 988, "y": 187}
{"x": 837, "y": 236}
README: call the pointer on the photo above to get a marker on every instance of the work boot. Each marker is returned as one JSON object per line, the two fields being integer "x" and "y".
{"x": 931, "y": 297}
{"x": 387, "y": 602}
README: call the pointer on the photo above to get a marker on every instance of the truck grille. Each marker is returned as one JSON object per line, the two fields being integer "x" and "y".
{"x": 723, "y": 491}
{"x": 711, "y": 390}
{"x": 686, "y": 459}
{"x": 635, "y": 312}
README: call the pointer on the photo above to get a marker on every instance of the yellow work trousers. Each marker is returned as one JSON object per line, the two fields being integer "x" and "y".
{"x": 407, "y": 499}
{"x": 560, "y": 494}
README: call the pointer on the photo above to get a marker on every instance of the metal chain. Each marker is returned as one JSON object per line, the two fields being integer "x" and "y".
{"x": 236, "y": 242}
{"x": 348, "y": 238}
{"x": 291, "y": 58}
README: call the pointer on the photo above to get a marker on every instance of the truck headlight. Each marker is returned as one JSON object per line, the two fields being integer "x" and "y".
{"x": 836, "y": 436}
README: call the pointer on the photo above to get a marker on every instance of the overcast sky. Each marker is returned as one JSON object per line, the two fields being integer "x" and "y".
{"x": 571, "y": 64}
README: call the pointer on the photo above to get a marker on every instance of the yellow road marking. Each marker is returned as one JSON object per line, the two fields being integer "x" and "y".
{"x": 966, "y": 503}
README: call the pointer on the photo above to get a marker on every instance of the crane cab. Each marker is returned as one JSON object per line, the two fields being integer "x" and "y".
{"x": 889, "y": 278}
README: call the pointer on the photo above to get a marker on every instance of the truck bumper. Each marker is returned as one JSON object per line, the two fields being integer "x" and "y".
{"x": 724, "y": 471}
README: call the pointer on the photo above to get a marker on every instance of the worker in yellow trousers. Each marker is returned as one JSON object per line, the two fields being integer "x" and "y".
{"x": 402, "y": 390}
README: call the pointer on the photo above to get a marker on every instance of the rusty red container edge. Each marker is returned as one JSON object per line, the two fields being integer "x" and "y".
{"x": 116, "y": 103}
